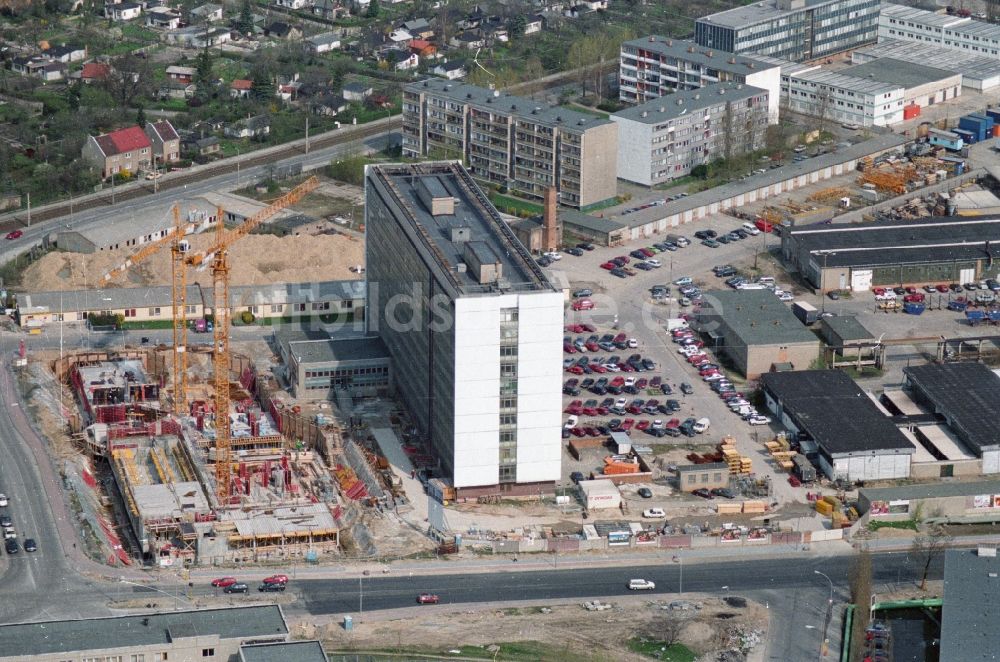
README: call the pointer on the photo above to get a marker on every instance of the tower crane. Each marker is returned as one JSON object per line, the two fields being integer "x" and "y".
{"x": 216, "y": 257}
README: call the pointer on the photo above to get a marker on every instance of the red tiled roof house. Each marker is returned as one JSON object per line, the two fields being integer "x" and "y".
{"x": 240, "y": 88}
{"x": 164, "y": 140}
{"x": 124, "y": 149}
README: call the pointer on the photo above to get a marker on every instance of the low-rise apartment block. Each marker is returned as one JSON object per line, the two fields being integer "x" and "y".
{"x": 951, "y": 32}
{"x": 513, "y": 142}
{"x": 656, "y": 66}
{"x": 665, "y": 138}
{"x": 796, "y": 30}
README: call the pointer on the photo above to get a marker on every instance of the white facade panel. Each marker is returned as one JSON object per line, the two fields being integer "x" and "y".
{"x": 477, "y": 388}
{"x": 635, "y": 143}
{"x": 539, "y": 402}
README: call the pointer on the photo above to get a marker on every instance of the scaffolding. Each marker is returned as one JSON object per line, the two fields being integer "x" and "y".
{"x": 125, "y": 459}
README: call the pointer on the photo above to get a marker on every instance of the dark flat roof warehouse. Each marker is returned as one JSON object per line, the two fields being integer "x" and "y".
{"x": 834, "y": 410}
{"x": 23, "y": 640}
{"x": 894, "y": 242}
{"x": 331, "y": 350}
{"x": 442, "y": 238}
{"x": 290, "y": 651}
{"x": 967, "y": 394}
{"x": 971, "y": 605}
{"x": 756, "y": 316}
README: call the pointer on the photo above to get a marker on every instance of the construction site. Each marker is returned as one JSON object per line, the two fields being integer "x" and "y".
{"x": 927, "y": 181}
{"x": 196, "y": 456}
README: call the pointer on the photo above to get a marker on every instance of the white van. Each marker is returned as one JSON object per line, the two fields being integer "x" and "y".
{"x": 701, "y": 425}
{"x": 751, "y": 286}
{"x": 751, "y": 228}
{"x": 767, "y": 281}
{"x": 640, "y": 585}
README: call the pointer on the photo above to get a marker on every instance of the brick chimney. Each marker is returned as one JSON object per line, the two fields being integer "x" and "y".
{"x": 551, "y": 232}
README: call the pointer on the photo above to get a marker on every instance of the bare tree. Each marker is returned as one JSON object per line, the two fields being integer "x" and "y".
{"x": 130, "y": 78}
{"x": 669, "y": 630}
{"x": 928, "y": 548}
{"x": 861, "y": 592}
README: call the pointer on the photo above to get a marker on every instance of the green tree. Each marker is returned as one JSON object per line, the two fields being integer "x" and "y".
{"x": 140, "y": 116}
{"x": 515, "y": 26}
{"x": 73, "y": 97}
{"x": 244, "y": 22}
{"x": 203, "y": 77}
{"x": 263, "y": 85}
{"x": 373, "y": 9}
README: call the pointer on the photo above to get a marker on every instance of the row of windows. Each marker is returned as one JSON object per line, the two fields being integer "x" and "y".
{"x": 348, "y": 372}
{"x": 137, "y": 657}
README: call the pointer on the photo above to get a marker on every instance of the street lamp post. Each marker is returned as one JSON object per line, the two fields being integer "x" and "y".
{"x": 829, "y": 614}
{"x": 822, "y": 278}
{"x": 237, "y": 167}
{"x": 829, "y": 580}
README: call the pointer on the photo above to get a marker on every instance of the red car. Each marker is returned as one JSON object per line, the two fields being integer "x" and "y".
{"x": 617, "y": 381}
{"x": 943, "y": 289}
{"x": 577, "y": 432}
{"x": 622, "y": 258}
{"x": 575, "y": 328}
{"x": 428, "y": 599}
{"x": 598, "y": 368}
{"x": 575, "y": 370}
{"x": 589, "y": 411}
{"x": 609, "y": 266}
{"x": 914, "y": 298}
{"x": 878, "y": 290}
{"x": 642, "y": 426}
{"x": 674, "y": 423}
{"x": 223, "y": 582}
{"x": 641, "y": 383}
{"x": 569, "y": 348}
{"x": 276, "y": 579}
{"x": 911, "y": 290}
{"x": 583, "y": 304}
{"x": 592, "y": 347}
{"x": 647, "y": 252}
{"x": 626, "y": 425}
{"x": 697, "y": 359}
{"x": 15, "y": 234}
{"x": 587, "y": 328}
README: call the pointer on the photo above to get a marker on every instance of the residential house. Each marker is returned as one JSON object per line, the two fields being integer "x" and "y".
{"x": 165, "y": 142}
{"x": 472, "y": 20}
{"x": 287, "y": 91}
{"x": 450, "y": 70}
{"x": 419, "y": 28}
{"x": 401, "y": 38}
{"x": 330, "y": 105}
{"x": 282, "y": 30}
{"x": 210, "y": 125}
{"x": 202, "y": 146}
{"x": 423, "y": 48}
{"x": 196, "y": 36}
{"x": 328, "y": 9}
{"x": 163, "y": 18}
{"x": 94, "y": 71}
{"x": 181, "y": 74}
{"x": 407, "y": 62}
{"x": 250, "y": 127}
{"x": 175, "y": 89}
{"x": 323, "y": 43}
{"x": 39, "y": 67}
{"x": 356, "y": 91}
{"x": 585, "y": 7}
{"x": 209, "y": 13}
{"x": 123, "y": 11}
{"x": 240, "y": 88}
{"x": 534, "y": 24}
{"x": 66, "y": 54}
{"x": 469, "y": 40}
{"x": 293, "y": 4}
{"x": 125, "y": 149}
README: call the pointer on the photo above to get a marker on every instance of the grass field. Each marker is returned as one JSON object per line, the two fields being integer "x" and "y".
{"x": 657, "y": 650}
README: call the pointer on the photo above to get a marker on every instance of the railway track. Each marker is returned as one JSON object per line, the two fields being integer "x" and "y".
{"x": 222, "y": 167}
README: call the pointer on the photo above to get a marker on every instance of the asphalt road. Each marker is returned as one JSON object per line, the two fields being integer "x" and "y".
{"x": 98, "y": 216}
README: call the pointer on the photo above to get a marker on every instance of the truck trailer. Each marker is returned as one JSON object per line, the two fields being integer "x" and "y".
{"x": 806, "y": 312}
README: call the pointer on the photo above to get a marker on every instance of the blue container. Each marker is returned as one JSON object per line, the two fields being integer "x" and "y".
{"x": 986, "y": 122}
{"x": 967, "y": 136}
{"x": 348, "y": 623}
{"x": 993, "y": 113}
{"x": 977, "y": 124}
{"x": 959, "y": 168}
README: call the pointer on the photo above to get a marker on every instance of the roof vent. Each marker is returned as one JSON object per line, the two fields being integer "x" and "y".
{"x": 722, "y": 90}
{"x": 559, "y": 118}
{"x": 447, "y": 87}
{"x": 739, "y": 86}
{"x": 986, "y": 551}
{"x": 709, "y": 53}
{"x": 469, "y": 95}
{"x": 496, "y": 93}
{"x": 581, "y": 121}
{"x": 690, "y": 49}
{"x": 731, "y": 60}
{"x": 670, "y": 42}
{"x": 697, "y": 96}
{"x": 750, "y": 65}
{"x": 643, "y": 114}
{"x": 425, "y": 84}
{"x": 680, "y": 102}
{"x": 652, "y": 38}
{"x": 663, "y": 109}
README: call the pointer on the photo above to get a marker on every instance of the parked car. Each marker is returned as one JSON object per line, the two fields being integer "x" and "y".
{"x": 271, "y": 588}
{"x": 583, "y": 304}
{"x": 428, "y": 599}
{"x": 223, "y": 582}
{"x": 238, "y": 587}
{"x": 703, "y": 493}
{"x": 653, "y": 513}
{"x": 723, "y": 492}
{"x": 645, "y": 493}
{"x": 276, "y": 579}
{"x": 15, "y": 234}
{"x": 686, "y": 388}
{"x": 581, "y": 294}
{"x": 641, "y": 585}
{"x": 30, "y": 545}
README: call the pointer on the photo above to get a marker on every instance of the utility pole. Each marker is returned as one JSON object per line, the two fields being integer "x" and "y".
{"x": 29, "y": 209}
{"x": 112, "y": 188}
{"x": 307, "y": 134}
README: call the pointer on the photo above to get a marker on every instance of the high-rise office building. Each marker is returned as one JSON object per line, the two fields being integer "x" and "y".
{"x": 473, "y": 325}
{"x": 513, "y": 142}
{"x": 797, "y": 30}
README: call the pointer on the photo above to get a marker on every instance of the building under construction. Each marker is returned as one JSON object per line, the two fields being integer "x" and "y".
{"x": 114, "y": 392}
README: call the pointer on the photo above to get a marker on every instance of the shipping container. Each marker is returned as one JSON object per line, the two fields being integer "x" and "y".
{"x": 996, "y": 130}
{"x": 968, "y": 137}
{"x": 985, "y": 118}
{"x": 911, "y": 111}
{"x": 806, "y": 312}
{"x": 995, "y": 114}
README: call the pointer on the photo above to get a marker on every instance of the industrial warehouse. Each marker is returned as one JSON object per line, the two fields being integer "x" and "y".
{"x": 954, "y": 249}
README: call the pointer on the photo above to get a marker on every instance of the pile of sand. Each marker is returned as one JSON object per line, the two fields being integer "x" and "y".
{"x": 253, "y": 260}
